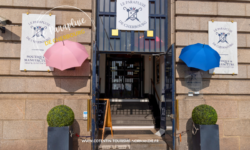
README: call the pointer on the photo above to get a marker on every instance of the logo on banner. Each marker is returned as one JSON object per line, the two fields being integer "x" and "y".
{"x": 132, "y": 13}
{"x": 222, "y": 37}
{"x": 38, "y": 31}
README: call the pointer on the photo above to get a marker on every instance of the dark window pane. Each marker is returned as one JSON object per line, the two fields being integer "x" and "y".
{"x": 101, "y": 5}
{"x": 163, "y": 34}
{"x": 162, "y": 6}
{"x": 101, "y": 33}
{"x": 106, "y": 5}
{"x": 106, "y": 33}
{"x": 141, "y": 41}
{"x": 147, "y": 49}
{"x": 117, "y": 45}
{"x": 157, "y": 3}
{"x": 128, "y": 41}
{"x": 136, "y": 41}
{"x": 112, "y": 6}
{"x": 152, "y": 8}
{"x": 152, "y": 23}
{"x": 157, "y": 38}
{"x": 112, "y": 22}
{"x": 123, "y": 40}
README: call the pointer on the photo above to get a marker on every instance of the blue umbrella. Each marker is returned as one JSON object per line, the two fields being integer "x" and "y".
{"x": 200, "y": 56}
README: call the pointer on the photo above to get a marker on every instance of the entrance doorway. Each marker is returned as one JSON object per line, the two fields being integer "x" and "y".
{"x": 124, "y": 76}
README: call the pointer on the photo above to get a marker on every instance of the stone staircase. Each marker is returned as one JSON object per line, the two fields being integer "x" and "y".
{"x": 135, "y": 113}
{"x": 134, "y": 140}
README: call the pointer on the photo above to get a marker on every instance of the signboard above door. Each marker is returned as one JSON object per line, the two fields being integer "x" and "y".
{"x": 132, "y": 15}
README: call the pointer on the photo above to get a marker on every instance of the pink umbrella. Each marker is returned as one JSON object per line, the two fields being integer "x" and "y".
{"x": 66, "y": 54}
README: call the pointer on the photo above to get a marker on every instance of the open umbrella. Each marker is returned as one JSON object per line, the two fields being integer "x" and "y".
{"x": 200, "y": 56}
{"x": 66, "y": 54}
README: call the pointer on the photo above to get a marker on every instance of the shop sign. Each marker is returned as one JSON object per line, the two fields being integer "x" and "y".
{"x": 223, "y": 39}
{"x": 36, "y": 30}
{"x": 132, "y": 15}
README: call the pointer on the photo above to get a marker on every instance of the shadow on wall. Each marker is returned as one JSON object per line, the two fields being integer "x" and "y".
{"x": 76, "y": 129}
{"x": 193, "y": 80}
{"x": 189, "y": 127}
{"x": 72, "y": 80}
{"x": 78, "y": 144}
{"x": 9, "y": 35}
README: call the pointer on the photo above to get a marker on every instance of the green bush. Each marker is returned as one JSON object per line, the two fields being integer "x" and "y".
{"x": 204, "y": 115}
{"x": 60, "y": 116}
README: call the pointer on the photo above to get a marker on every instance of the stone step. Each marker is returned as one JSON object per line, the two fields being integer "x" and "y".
{"x": 133, "y": 122}
{"x": 132, "y": 117}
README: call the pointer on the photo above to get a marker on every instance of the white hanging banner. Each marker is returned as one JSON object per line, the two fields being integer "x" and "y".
{"x": 223, "y": 39}
{"x": 132, "y": 15}
{"x": 36, "y": 29}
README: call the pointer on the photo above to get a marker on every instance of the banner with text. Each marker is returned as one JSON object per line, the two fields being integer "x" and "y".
{"x": 132, "y": 15}
{"x": 36, "y": 29}
{"x": 223, "y": 39}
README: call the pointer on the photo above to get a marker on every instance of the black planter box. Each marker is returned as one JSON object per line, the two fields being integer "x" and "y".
{"x": 206, "y": 138}
{"x": 60, "y": 138}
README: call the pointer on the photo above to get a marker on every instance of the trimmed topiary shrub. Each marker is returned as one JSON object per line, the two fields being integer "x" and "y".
{"x": 204, "y": 115}
{"x": 60, "y": 116}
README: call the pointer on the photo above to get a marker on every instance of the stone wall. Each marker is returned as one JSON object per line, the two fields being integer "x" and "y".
{"x": 26, "y": 97}
{"x": 228, "y": 94}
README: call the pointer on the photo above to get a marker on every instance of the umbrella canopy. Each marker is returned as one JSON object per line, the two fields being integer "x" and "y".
{"x": 200, "y": 56}
{"x": 66, "y": 54}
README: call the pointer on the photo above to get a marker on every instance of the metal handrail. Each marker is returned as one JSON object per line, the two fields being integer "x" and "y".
{"x": 155, "y": 91}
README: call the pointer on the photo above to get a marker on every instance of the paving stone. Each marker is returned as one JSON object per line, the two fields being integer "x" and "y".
{"x": 187, "y": 23}
{"x": 244, "y": 112}
{"x": 236, "y": 127}
{"x": 244, "y": 143}
{"x": 39, "y": 109}
{"x": 225, "y": 109}
{"x": 77, "y": 105}
{"x": 7, "y": 35}
{"x": 242, "y": 40}
{"x": 6, "y": 69}
{"x": 208, "y": 86}
{"x": 23, "y": 144}
{"x": 186, "y": 107}
{"x": 6, "y": 2}
{"x": 80, "y": 127}
{"x": 239, "y": 87}
{"x": 1, "y": 130}
{"x": 37, "y": 84}
{"x": 75, "y": 85}
{"x": 181, "y": 7}
{"x": 203, "y": 8}
{"x": 229, "y": 143}
{"x": 12, "y": 109}
{"x": 231, "y": 9}
{"x": 23, "y": 130}
{"x": 9, "y": 84}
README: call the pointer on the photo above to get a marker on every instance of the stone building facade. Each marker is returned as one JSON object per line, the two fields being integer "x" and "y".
{"x": 228, "y": 94}
{"x": 26, "y": 97}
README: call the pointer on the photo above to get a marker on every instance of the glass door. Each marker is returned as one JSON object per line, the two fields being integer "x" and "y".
{"x": 124, "y": 76}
